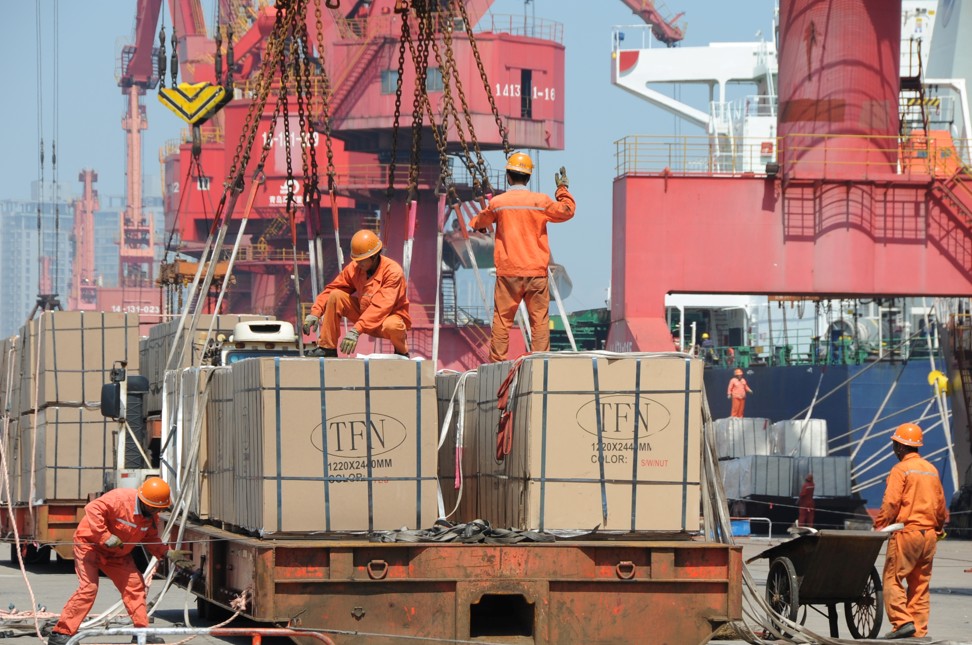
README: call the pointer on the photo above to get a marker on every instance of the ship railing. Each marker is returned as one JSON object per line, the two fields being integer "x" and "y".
{"x": 914, "y": 156}
{"x": 522, "y": 25}
{"x": 633, "y": 37}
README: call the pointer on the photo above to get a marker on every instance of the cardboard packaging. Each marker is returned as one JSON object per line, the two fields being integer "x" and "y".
{"x": 73, "y": 451}
{"x": 10, "y": 436}
{"x": 461, "y": 448}
{"x": 758, "y": 475}
{"x": 222, "y": 449}
{"x": 800, "y": 438}
{"x": 8, "y": 359}
{"x": 831, "y": 475}
{"x": 613, "y": 442}
{"x": 739, "y": 437}
{"x": 155, "y": 349}
{"x": 344, "y": 445}
{"x": 76, "y": 352}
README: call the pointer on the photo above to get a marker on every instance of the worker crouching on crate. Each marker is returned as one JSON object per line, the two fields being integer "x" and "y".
{"x": 112, "y": 526}
{"x": 380, "y": 309}
{"x": 914, "y": 497}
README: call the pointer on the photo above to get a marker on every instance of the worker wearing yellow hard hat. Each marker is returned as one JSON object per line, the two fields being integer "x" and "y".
{"x": 521, "y": 253}
{"x": 914, "y": 498}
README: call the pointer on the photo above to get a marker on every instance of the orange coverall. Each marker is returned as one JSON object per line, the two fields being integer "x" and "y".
{"x": 914, "y": 497}
{"x": 381, "y": 310}
{"x": 738, "y": 387}
{"x": 522, "y": 255}
{"x": 114, "y": 513}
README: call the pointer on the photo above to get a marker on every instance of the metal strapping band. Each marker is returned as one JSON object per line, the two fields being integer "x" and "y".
{"x": 543, "y": 442}
{"x": 634, "y": 465}
{"x": 685, "y": 438}
{"x": 40, "y": 357}
{"x": 418, "y": 444}
{"x": 600, "y": 442}
{"x": 276, "y": 371}
{"x": 367, "y": 393}
{"x": 327, "y": 478}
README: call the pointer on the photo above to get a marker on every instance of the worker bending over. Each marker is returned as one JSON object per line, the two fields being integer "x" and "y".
{"x": 112, "y": 526}
{"x": 380, "y": 309}
{"x": 913, "y": 497}
{"x": 521, "y": 252}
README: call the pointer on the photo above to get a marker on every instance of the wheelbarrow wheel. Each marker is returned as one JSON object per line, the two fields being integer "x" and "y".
{"x": 865, "y": 615}
{"x": 783, "y": 589}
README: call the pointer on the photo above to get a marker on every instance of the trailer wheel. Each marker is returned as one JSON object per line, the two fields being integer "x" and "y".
{"x": 32, "y": 554}
{"x": 782, "y": 591}
{"x": 864, "y": 615}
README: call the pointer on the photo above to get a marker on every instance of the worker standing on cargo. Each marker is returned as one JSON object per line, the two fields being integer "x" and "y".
{"x": 380, "y": 309}
{"x": 112, "y": 526}
{"x": 913, "y": 497}
{"x": 738, "y": 389}
{"x": 805, "y": 502}
{"x": 521, "y": 252}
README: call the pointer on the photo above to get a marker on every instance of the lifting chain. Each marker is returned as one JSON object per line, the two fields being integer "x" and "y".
{"x": 308, "y": 145}
{"x": 325, "y": 101}
{"x": 174, "y": 65}
{"x": 402, "y": 9}
{"x": 504, "y": 134}
{"x": 420, "y": 60}
{"x": 160, "y": 58}
{"x": 283, "y": 100}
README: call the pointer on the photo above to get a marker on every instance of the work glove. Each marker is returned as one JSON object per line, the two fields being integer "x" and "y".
{"x": 180, "y": 558}
{"x": 561, "y": 177}
{"x": 484, "y": 231}
{"x": 114, "y": 542}
{"x": 310, "y": 323}
{"x": 350, "y": 341}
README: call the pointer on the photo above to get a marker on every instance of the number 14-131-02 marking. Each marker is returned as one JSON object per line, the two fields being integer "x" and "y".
{"x": 539, "y": 94}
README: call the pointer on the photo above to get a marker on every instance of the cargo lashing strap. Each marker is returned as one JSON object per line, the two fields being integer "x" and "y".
{"x": 507, "y": 403}
{"x": 475, "y": 532}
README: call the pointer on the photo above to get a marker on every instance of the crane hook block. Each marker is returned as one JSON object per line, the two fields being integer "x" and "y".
{"x": 194, "y": 103}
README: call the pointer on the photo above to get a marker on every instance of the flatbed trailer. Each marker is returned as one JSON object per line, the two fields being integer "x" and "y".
{"x": 632, "y": 590}
{"x": 43, "y": 527}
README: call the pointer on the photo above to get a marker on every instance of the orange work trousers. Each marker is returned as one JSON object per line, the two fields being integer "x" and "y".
{"x": 909, "y": 559}
{"x": 738, "y": 407}
{"x": 509, "y": 291}
{"x": 343, "y": 305}
{"x": 88, "y": 560}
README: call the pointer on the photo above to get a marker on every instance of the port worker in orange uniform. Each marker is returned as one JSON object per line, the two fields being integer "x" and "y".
{"x": 380, "y": 309}
{"x": 112, "y": 526}
{"x": 738, "y": 389}
{"x": 805, "y": 502}
{"x": 522, "y": 253}
{"x": 914, "y": 497}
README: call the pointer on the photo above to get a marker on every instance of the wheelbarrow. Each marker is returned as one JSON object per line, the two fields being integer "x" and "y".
{"x": 828, "y": 568}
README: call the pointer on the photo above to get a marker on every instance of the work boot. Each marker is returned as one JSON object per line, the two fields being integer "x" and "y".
{"x": 323, "y": 352}
{"x": 57, "y": 638}
{"x": 150, "y": 640}
{"x": 906, "y": 630}
{"x": 401, "y": 354}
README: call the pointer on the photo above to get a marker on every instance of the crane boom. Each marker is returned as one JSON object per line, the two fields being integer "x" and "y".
{"x": 666, "y": 30}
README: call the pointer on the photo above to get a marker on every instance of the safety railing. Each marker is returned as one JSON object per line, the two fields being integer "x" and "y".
{"x": 810, "y": 155}
{"x": 769, "y": 526}
{"x": 256, "y": 634}
{"x": 522, "y": 25}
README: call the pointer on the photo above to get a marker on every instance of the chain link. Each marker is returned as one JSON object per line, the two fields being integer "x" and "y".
{"x": 283, "y": 99}
{"x": 325, "y": 99}
{"x": 420, "y": 60}
{"x": 405, "y": 40}
{"x": 504, "y": 134}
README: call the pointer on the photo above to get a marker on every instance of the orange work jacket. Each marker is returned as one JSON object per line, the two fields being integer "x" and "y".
{"x": 380, "y": 296}
{"x": 521, "y": 216}
{"x": 913, "y": 496}
{"x": 116, "y": 513}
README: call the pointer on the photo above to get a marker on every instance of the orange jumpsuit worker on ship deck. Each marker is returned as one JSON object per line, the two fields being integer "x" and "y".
{"x": 522, "y": 252}
{"x": 112, "y": 526}
{"x": 805, "y": 502}
{"x": 380, "y": 309}
{"x": 738, "y": 388}
{"x": 913, "y": 497}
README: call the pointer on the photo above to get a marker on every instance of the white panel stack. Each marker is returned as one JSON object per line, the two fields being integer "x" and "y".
{"x": 831, "y": 475}
{"x": 801, "y": 438}
{"x": 758, "y": 476}
{"x": 601, "y": 440}
{"x": 459, "y": 449}
{"x": 742, "y": 436}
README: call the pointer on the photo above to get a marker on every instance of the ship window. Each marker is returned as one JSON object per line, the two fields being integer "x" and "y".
{"x": 389, "y": 81}
{"x": 202, "y": 183}
{"x": 433, "y": 80}
{"x": 526, "y": 93}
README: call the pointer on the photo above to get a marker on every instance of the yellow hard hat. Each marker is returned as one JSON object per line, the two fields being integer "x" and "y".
{"x": 705, "y": 336}
{"x": 520, "y": 162}
{"x": 908, "y": 434}
{"x": 364, "y": 244}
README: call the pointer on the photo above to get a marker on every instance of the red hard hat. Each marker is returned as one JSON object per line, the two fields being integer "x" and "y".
{"x": 155, "y": 493}
{"x": 908, "y": 434}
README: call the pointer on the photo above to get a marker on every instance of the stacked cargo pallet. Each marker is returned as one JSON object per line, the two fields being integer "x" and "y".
{"x": 598, "y": 440}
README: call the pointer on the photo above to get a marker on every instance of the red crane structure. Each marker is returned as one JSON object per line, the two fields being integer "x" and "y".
{"x": 654, "y": 12}
{"x": 512, "y": 73}
{"x": 84, "y": 283}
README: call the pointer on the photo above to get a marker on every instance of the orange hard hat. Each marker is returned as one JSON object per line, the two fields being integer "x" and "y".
{"x": 738, "y": 372}
{"x": 520, "y": 162}
{"x": 908, "y": 434}
{"x": 364, "y": 244}
{"x": 155, "y": 493}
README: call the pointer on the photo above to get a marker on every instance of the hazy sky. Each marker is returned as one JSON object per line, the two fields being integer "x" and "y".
{"x": 91, "y": 105}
